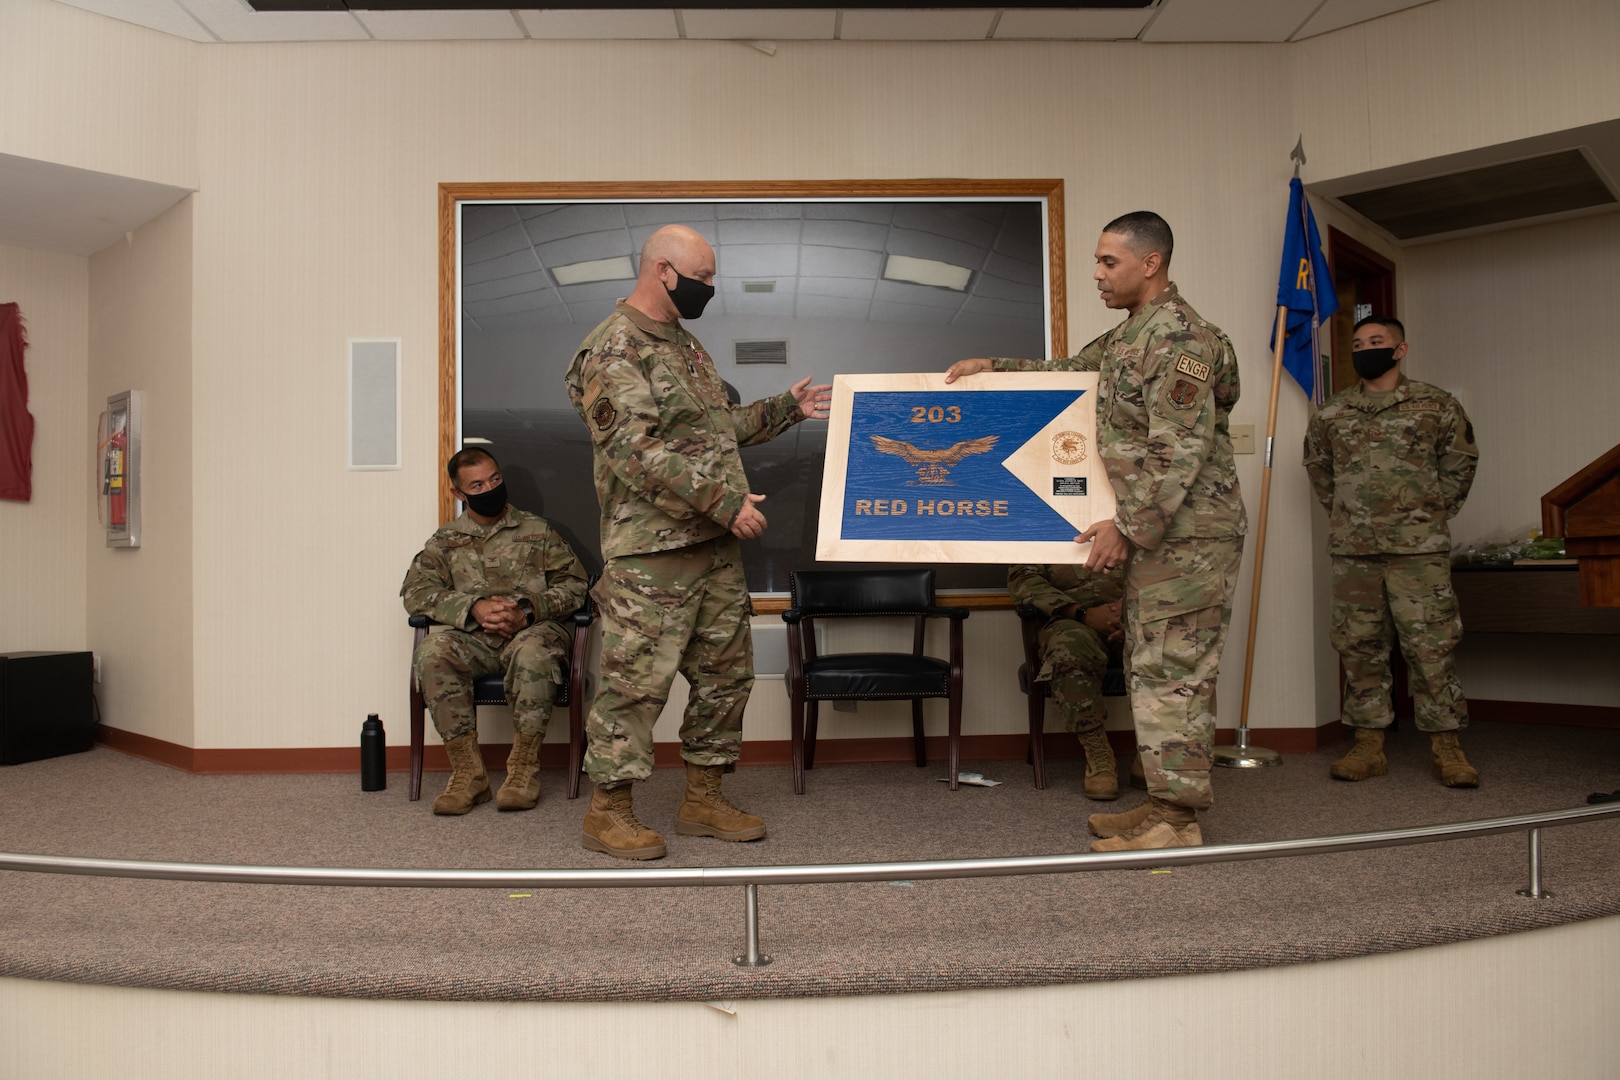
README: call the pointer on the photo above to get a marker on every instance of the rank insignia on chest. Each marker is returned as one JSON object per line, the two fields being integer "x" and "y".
{"x": 603, "y": 413}
{"x": 1196, "y": 368}
{"x": 1183, "y": 394}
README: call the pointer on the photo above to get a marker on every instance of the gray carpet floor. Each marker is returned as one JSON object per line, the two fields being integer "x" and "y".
{"x": 677, "y": 944}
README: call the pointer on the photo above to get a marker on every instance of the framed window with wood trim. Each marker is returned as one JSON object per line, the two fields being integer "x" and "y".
{"x": 814, "y": 278}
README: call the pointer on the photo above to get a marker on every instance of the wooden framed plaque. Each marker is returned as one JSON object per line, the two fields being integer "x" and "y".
{"x": 999, "y": 467}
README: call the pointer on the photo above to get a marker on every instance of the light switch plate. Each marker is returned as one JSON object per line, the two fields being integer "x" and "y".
{"x": 1242, "y": 438}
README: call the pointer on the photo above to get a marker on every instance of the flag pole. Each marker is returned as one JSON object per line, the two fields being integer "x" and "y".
{"x": 1242, "y": 755}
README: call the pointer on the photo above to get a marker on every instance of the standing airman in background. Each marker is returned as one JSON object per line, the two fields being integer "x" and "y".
{"x": 1391, "y": 460}
{"x": 1168, "y": 381}
{"x": 498, "y": 579}
{"x": 675, "y": 504}
{"x": 1082, "y": 632}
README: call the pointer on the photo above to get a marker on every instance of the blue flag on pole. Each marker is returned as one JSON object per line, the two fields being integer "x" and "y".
{"x": 1305, "y": 288}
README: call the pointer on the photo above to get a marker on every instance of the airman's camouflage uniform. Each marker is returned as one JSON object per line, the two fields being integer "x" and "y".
{"x": 1168, "y": 381}
{"x": 1074, "y": 657}
{"x": 672, "y": 595}
{"x": 1391, "y": 469}
{"x": 517, "y": 557}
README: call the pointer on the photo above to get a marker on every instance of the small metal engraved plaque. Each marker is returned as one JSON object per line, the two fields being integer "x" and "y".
{"x": 1068, "y": 485}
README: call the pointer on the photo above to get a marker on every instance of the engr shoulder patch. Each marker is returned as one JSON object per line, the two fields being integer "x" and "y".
{"x": 1196, "y": 368}
{"x": 603, "y": 413}
{"x": 1183, "y": 394}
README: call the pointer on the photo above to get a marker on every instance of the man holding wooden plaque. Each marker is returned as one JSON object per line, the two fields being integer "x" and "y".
{"x": 1168, "y": 381}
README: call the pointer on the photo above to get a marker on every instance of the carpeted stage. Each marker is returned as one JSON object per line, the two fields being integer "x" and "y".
{"x": 654, "y": 945}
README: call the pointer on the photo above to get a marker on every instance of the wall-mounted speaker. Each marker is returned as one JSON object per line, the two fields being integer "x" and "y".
{"x": 374, "y": 404}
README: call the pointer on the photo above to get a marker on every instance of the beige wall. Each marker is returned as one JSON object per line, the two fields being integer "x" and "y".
{"x": 315, "y": 222}
{"x": 140, "y": 599}
{"x": 42, "y": 579}
{"x": 317, "y": 167}
{"x": 1497, "y": 320}
{"x": 95, "y": 93}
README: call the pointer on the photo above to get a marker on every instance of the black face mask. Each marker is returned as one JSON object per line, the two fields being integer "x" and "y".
{"x": 1371, "y": 363}
{"x": 487, "y": 503}
{"x": 689, "y": 295}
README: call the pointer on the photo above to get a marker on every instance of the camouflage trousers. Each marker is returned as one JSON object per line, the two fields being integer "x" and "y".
{"x": 449, "y": 661}
{"x": 1178, "y": 605}
{"x": 680, "y": 611}
{"x": 1074, "y": 659}
{"x": 1377, "y": 598}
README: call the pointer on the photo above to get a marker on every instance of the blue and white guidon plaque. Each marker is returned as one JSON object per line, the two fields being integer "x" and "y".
{"x": 999, "y": 467}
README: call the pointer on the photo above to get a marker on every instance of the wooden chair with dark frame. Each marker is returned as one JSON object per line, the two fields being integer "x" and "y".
{"x": 491, "y": 690}
{"x": 813, "y": 678}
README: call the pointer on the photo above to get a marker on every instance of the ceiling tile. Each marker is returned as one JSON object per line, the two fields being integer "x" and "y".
{"x": 759, "y": 232}
{"x": 1337, "y": 14}
{"x": 602, "y": 25}
{"x": 232, "y": 20}
{"x": 846, "y": 288}
{"x": 866, "y": 24}
{"x": 758, "y": 260}
{"x": 518, "y": 262}
{"x": 439, "y": 25}
{"x": 831, "y": 307}
{"x": 839, "y": 262}
{"x": 756, "y": 24}
{"x": 1228, "y": 20}
{"x": 166, "y": 16}
{"x": 1070, "y": 25}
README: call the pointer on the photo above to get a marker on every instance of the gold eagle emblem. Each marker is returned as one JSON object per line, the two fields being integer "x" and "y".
{"x": 932, "y": 465}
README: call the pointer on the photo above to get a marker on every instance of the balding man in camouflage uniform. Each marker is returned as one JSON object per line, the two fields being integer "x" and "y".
{"x": 499, "y": 579}
{"x": 1168, "y": 381}
{"x": 675, "y": 503}
{"x": 1083, "y": 629}
{"x": 1392, "y": 460}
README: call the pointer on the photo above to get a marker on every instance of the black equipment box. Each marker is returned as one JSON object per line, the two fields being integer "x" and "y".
{"x": 46, "y": 705}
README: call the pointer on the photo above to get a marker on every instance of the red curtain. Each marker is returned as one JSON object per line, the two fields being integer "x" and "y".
{"x": 16, "y": 425}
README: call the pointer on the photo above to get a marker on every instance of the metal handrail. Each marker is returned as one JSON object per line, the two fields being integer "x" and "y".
{"x": 753, "y": 876}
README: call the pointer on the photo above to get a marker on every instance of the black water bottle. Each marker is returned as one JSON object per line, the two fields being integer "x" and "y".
{"x": 373, "y": 755}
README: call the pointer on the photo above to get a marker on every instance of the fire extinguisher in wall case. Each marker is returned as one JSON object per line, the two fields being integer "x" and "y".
{"x": 114, "y": 460}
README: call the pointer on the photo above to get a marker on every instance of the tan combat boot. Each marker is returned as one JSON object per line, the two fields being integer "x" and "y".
{"x": 1166, "y": 825}
{"x": 469, "y": 783}
{"x": 611, "y": 826}
{"x": 1115, "y": 824}
{"x": 705, "y": 810}
{"x": 1102, "y": 781}
{"x": 1450, "y": 766}
{"x": 521, "y": 789}
{"x": 1365, "y": 759}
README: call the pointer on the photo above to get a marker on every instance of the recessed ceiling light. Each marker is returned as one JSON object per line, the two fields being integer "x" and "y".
{"x": 474, "y": 440}
{"x": 941, "y": 275}
{"x": 617, "y": 268}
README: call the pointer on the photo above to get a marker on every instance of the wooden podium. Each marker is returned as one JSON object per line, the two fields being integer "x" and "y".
{"x": 1585, "y": 511}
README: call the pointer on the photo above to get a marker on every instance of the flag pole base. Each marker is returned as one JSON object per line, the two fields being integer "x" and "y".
{"x": 1244, "y": 756}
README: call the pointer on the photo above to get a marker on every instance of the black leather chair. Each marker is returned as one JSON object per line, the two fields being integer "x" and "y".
{"x": 1036, "y": 693}
{"x": 835, "y": 594}
{"x": 491, "y": 690}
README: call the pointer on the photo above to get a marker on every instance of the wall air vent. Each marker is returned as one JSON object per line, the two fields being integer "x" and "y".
{"x": 1536, "y": 187}
{"x": 761, "y": 352}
